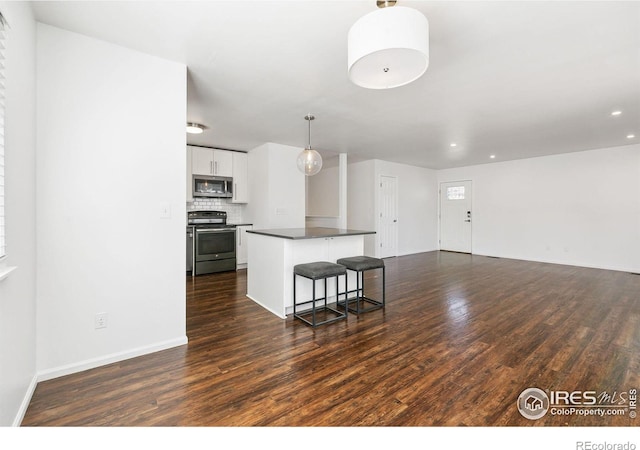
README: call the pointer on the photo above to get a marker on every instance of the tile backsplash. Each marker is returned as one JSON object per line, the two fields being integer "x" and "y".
{"x": 235, "y": 211}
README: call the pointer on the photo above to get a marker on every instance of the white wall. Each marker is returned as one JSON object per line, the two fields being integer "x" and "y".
{"x": 578, "y": 208}
{"x": 417, "y": 205}
{"x": 323, "y": 190}
{"x": 276, "y": 188}
{"x": 18, "y": 291}
{"x": 258, "y": 208}
{"x": 327, "y": 194}
{"x": 110, "y": 138}
{"x": 361, "y": 190}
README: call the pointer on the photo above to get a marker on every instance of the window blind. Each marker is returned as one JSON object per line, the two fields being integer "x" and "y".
{"x": 3, "y": 29}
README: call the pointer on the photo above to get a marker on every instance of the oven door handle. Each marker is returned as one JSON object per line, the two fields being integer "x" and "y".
{"x": 218, "y": 230}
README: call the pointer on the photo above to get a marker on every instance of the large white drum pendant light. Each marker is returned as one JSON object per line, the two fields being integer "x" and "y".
{"x": 388, "y": 47}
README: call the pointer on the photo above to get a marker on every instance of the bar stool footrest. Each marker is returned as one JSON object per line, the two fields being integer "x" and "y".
{"x": 374, "y": 304}
{"x": 321, "y": 310}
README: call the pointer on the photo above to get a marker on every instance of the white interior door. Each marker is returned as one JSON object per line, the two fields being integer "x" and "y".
{"x": 455, "y": 216}
{"x": 388, "y": 224}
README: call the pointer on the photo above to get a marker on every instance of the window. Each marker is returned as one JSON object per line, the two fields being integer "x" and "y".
{"x": 3, "y": 246}
{"x": 455, "y": 193}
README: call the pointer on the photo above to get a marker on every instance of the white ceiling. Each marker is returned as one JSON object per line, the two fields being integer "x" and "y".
{"x": 509, "y": 78}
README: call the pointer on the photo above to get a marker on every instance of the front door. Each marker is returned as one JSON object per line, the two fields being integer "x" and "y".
{"x": 455, "y": 216}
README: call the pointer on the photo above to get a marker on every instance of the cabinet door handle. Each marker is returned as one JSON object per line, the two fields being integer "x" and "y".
{"x": 235, "y": 190}
{"x": 215, "y": 167}
{"x": 211, "y": 167}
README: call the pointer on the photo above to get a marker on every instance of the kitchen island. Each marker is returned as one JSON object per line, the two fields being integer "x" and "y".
{"x": 274, "y": 252}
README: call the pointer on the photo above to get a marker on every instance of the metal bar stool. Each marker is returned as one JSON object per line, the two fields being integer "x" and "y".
{"x": 361, "y": 264}
{"x": 319, "y": 271}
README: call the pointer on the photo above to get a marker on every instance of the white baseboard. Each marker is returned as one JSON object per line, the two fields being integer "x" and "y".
{"x": 563, "y": 263}
{"x": 108, "y": 359}
{"x": 25, "y": 402}
{"x": 267, "y": 308}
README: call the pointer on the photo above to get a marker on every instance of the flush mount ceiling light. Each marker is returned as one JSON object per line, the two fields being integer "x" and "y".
{"x": 388, "y": 47}
{"x": 194, "y": 128}
{"x": 309, "y": 161}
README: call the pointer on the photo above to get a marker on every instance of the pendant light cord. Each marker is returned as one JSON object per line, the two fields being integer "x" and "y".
{"x": 309, "y": 118}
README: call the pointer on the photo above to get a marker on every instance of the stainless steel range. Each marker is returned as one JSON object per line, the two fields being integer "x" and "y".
{"x": 213, "y": 244}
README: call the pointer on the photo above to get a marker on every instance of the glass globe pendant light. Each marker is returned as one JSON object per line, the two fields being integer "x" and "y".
{"x": 309, "y": 161}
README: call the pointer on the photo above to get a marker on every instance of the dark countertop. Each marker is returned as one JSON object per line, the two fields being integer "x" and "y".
{"x": 230, "y": 225}
{"x": 309, "y": 233}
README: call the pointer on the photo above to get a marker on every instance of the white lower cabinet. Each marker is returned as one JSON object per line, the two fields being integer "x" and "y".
{"x": 242, "y": 255}
{"x": 271, "y": 263}
{"x": 328, "y": 249}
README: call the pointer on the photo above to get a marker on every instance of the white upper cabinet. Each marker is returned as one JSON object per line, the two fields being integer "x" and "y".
{"x": 207, "y": 161}
{"x": 223, "y": 163}
{"x": 201, "y": 161}
{"x": 240, "y": 178}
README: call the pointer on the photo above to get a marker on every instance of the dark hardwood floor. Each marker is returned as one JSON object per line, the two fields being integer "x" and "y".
{"x": 461, "y": 337}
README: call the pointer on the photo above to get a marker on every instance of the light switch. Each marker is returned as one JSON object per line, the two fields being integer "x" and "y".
{"x": 165, "y": 211}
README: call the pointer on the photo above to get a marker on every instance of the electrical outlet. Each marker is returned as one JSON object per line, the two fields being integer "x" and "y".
{"x": 100, "y": 320}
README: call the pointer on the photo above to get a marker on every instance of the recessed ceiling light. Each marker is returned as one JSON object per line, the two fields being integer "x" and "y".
{"x": 492, "y": 156}
{"x": 194, "y": 128}
{"x": 616, "y": 113}
{"x": 453, "y": 144}
{"x": 630, "y": 136}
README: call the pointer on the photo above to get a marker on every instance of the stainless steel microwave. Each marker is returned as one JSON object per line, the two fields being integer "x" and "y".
{"x": 208, "y": 186}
